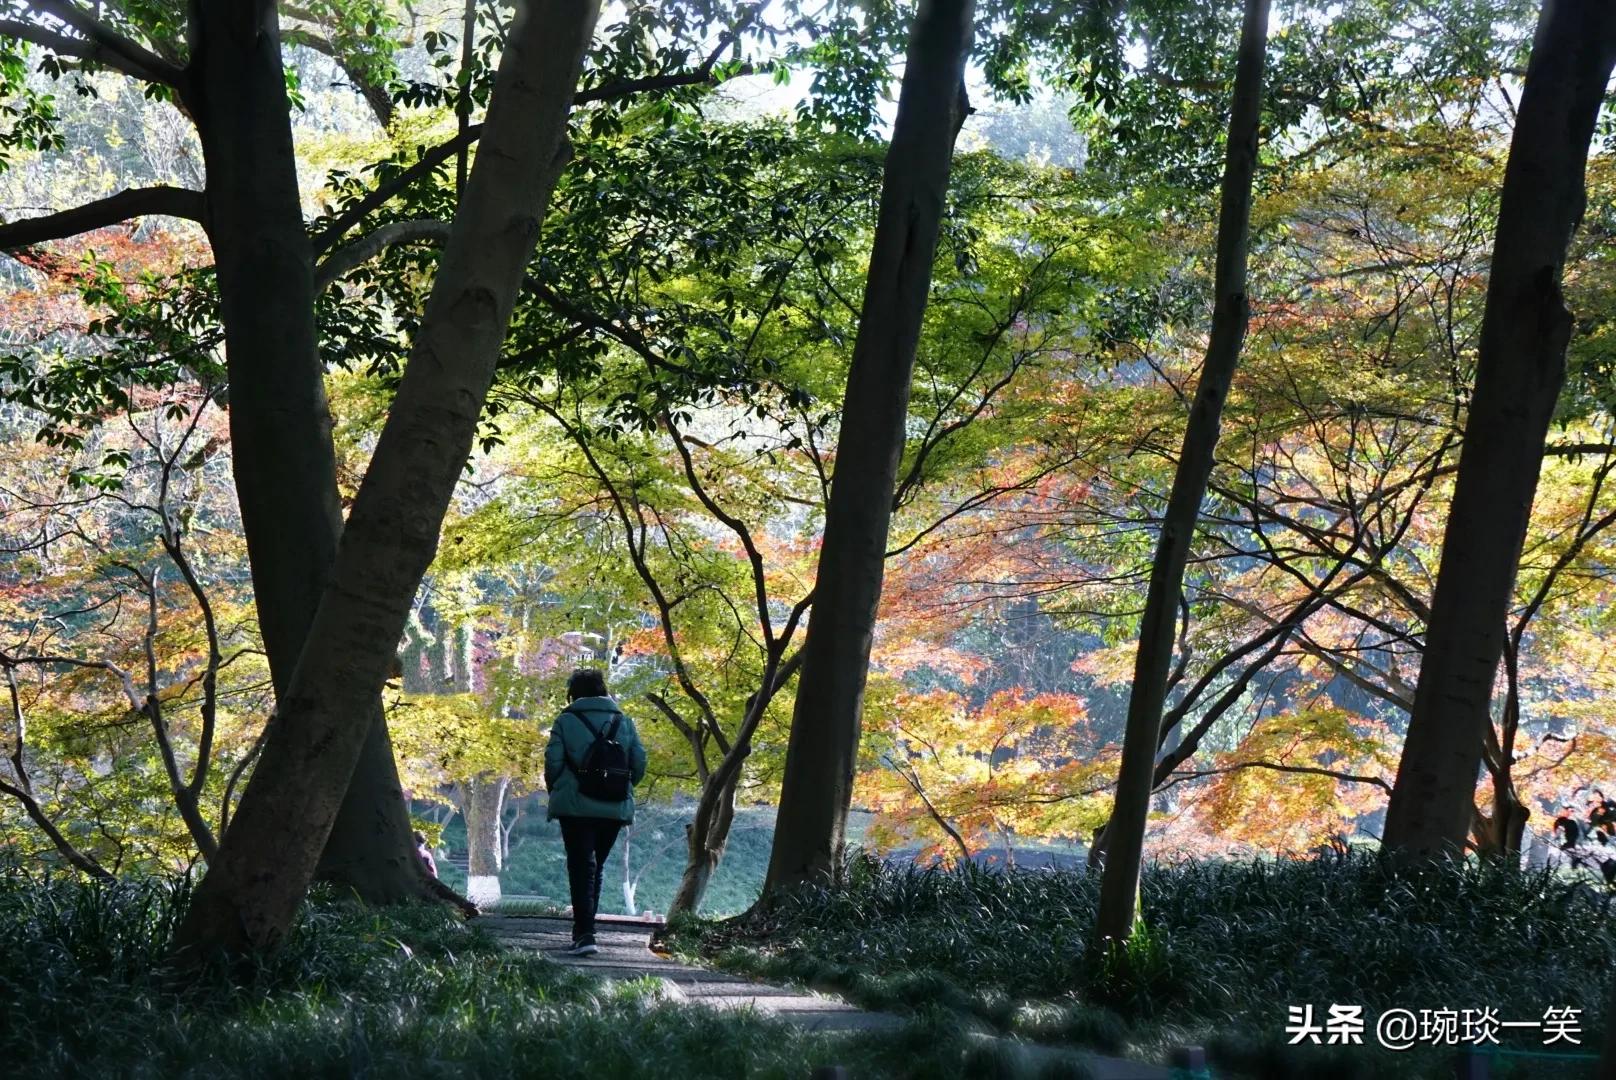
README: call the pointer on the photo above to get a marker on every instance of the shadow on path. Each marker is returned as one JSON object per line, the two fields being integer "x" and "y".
{"x": 625, "y": 954}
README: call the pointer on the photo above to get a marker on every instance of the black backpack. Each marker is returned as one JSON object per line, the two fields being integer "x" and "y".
{"x": 604, "y": 774}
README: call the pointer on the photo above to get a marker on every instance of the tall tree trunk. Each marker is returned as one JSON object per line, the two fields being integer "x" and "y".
{"x": 817, "y": 786}
{"x": 1519, "y": 371}
{"x": 705, "y": 839}
{"x": 280, "y": 423}
{"x": 249, "y": 895}
{"x": 485, "y": 800}
{"x": 1125, "y": 832}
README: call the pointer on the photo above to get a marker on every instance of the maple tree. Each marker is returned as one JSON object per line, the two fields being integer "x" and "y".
{"x": 134, "y": 673}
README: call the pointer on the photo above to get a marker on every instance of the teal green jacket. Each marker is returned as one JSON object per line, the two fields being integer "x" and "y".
{"x": 569, "y": 742}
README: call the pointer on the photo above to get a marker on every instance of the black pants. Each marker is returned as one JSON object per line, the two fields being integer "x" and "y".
{"x": 588, "y": 841}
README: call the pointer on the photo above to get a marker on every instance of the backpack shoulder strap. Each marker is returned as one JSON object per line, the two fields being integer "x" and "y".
{"x": 594, "y": 734}
{"x": 582, "y": 719}
{"x": 611, "y": 731}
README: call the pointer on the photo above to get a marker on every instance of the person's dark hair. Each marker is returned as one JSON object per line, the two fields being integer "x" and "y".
{"x": 586, "y": 682}
{"x": 420, "y": 837}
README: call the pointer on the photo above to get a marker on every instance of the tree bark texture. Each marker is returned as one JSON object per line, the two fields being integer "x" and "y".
{"x": 248, "y": 897}
{"x": 370, "y": 851}
{"x": 1125, "y": 831}
{"x": 817, "y": 786}
{"x": 280, "y": 423}
{"x": 485, "y": 805}
{"x": 1519, "y": 372}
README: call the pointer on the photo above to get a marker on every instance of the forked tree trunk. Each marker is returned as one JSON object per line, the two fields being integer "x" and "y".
{"x": 280, "y": 424}
{"x": 1125, "y": 832}
{"x": 1499, "y": 834}
{"x": 251, "y": 892}
{"x": 705, "y": 839}
{"x": 364, "y": 853}
{"x": 817, "y": 787}
{"x": 506, "y": 828}
{"x": 1519, "y": 371}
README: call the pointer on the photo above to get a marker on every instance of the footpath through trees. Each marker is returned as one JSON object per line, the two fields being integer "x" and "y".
{"x": 625, "y": 954}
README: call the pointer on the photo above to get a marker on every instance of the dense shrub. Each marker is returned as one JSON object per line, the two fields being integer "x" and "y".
{"x": 1225, "y": 947}
{"x": 84, "y": 991}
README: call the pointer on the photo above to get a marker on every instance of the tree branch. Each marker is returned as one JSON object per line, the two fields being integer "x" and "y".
{"x": 941, "y": 821}
{"x": 429, "y": 161}
{"x": 433, "y": 157}
{"x": 22, "y": 791}
{"x": 97, "y": 43}
{"x": 1311, "y": 770}
{"x": 370, "y": 245}
{"x": 129, "y": 203}
{"x": 376, "y": 96}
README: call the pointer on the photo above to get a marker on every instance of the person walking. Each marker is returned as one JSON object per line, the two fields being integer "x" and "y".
{"x": 591, "y": 764}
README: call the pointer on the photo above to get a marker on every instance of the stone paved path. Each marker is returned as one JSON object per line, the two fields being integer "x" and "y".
{"x": 625, "y": 954}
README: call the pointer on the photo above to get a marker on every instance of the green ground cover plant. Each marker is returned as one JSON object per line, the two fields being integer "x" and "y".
{"x": 1227, "y": 947}
{"x": 84, "y": 991}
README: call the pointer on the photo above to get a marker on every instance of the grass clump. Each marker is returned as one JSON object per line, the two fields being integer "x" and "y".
{"x": 84, "y": 991}
{"x": 1224, "y": 949}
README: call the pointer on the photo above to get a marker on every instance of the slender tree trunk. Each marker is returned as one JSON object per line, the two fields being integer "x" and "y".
{"x": 1125, "y": 832}
{"x": 706, "y": 837}
{"x": 249, "y": 895}
{"x": 629, "y": 907}
{"x": 1520, "y": 369}
{"x": 817, "y": 787}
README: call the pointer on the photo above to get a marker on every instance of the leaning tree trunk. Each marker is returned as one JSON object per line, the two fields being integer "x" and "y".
{"x": 280, "y": 424}
{"x": 705, "y": 839}
{"x": 817, "y": 787}
{"x": 1125, "y": 832}
{"x": 1520, "y": 368}
{"x": 250, "y": 893}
